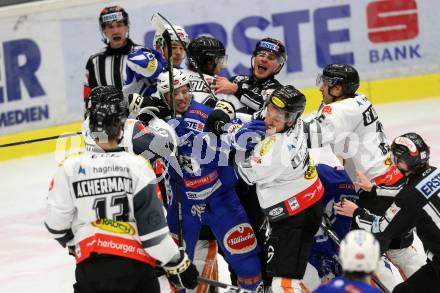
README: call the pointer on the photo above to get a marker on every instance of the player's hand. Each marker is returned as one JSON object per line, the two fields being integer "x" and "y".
{"x": 363, "y": 182}
{"x": 223, "y": 113}
{"x": 345, "y": 208}
{"x": 249, "y": 135}
{"x": 182, "y": 274}
{"x": 224, "y": 86}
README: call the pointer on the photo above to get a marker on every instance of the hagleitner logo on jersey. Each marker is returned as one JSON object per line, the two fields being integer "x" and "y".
{"x": 100, "y": 186}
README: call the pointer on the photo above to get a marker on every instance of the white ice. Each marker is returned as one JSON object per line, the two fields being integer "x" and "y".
{"x": 30, "y": 261}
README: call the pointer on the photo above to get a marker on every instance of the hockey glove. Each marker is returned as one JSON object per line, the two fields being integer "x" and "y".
{"x": 182, "y": 274}
{"x": 147, "y": 107}
{"x": 223, "y": 113}
{"x": 248, "y": 135}
{"x": 146, "y": 63}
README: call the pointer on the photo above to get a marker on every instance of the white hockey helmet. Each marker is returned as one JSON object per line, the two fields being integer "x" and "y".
{"x": 359, "y": 252}
{"x": 158, "y": 39}
{"x": 181, "y": 78}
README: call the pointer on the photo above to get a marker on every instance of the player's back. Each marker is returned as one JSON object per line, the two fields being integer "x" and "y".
{"x": 355, "y": 133}
{"x": 102, "y": 186}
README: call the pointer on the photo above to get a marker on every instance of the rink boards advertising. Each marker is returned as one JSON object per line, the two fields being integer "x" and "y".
{"x": 44, "y": 48}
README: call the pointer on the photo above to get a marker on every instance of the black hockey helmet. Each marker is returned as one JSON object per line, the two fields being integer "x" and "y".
{"x": 271, "y": 45}
{"x": 105, "y": 94}
{"x": 112, "y": 13}
{"x": 288, "y": 99}
{"x": 343, "y": 74}
{"x": 108, "y": 113}
{"x": 206, "y": 49}
{"x": 412, "y": 149}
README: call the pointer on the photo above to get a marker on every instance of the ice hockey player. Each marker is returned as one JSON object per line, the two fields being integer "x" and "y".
{"x": 206, "y": 188}
{"x": 156, "y": 140}
{"x": 177, "y": 47}
{"x": 288, "y": 189}
{"x": 324, "y": 252}
{"x": 348, "y": 122}
{"x": 107, "y": 67}
{"x": 106, "y": 205}
{"x": 359, "y": 255}
{"x": 415, "y": 206}
{"x": 253, "y": 90}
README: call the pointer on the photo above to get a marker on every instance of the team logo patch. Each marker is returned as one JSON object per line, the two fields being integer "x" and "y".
{"x": 81, "y": 170}
{"x": 326, "y": 110}
{"x": 114, "y": 226}
{"x": 311, "y": 171}
{"x": 152, "y": 65}
{"x": 240, "y": 239}
{"x": 293, "y": 203}
{"x": 267, "y": 145}
{"x": 387, "y": 161}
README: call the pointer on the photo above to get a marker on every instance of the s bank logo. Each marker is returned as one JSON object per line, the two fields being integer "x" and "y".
{"x": 392, "y": 21}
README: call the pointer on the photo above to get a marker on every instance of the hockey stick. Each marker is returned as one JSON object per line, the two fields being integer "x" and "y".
{"x": 223, "y": 285}
{"x": 328, "y": 229}
{"x": 16, "y": 143}
{"x": 161, "y": 28}
{"x": 190, "y": 58}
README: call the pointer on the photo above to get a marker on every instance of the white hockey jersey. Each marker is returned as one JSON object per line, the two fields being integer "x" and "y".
{"x": 353, "y": 130}
{"x": 125, "y": 143}
{"x": 287, "y": 180}
{"x": 202, "y": 95}
{"x": 107, "y": 203}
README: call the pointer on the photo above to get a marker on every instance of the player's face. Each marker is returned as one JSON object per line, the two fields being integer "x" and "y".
{"x": 265, "y": 64}
{"x": 182, "y": 97}
{"x": 116, "y": 33}
{"x": 178, "y": 53}
{"x": 329, "y": 92}
{"x": 275, "y": 120}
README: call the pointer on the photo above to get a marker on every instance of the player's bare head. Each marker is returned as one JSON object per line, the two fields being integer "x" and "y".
{"x": 284, "y": 107}
{"x": 181, "y": 85}
{"x": 410, "y": 153}
{"x": 114, "y": 24}
{"x": 268, "y": 58}
{"x": 208, "y": 54}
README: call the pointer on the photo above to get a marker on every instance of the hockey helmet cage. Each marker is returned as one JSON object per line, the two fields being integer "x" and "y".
{"x": 343, "y": 74}
{"x": 272, "y": 45}
{"x": 412, "y": 149}
{"x": 206, "y": 49}
{"x": 108, "y": 113}
{"x": 112, "y": 13}
{"x": 359, "y": 252}
{"x": 159, "y": 40}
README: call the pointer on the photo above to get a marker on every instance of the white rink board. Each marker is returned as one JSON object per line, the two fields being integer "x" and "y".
{"x": 45, "y": 46}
